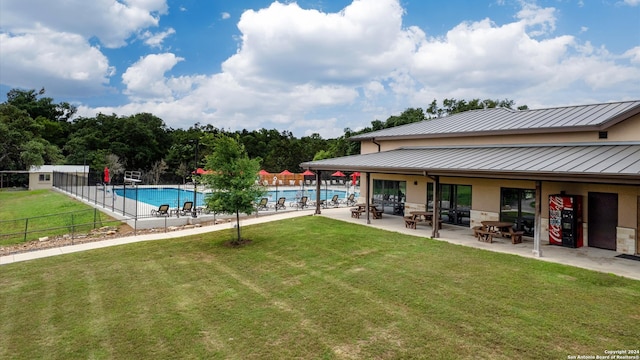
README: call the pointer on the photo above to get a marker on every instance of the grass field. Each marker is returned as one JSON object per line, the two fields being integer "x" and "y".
{"x": 48, "y": 212}
{"x": 310, "y": 288}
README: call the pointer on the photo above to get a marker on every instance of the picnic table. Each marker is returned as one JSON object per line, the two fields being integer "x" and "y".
{"x": 497, "y": 226}
{"x": 426, "y": 216}
{"x": 362, "y": 208}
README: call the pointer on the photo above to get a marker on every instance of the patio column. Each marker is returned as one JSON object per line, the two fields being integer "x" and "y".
{"x": 435, "y": 233}
{"x": 318, "y": 212}
{"x": 366, "y": 180}
{"x": 537, "y": 250}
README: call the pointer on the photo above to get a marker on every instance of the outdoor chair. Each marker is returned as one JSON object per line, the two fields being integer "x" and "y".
{"x": 302, "y": 203}
{"x": 350, "y": 200}
{"x": 280, "y": 205}
{"x": 187, "y": 207}
{"x": 335, "y": 201}
{"x": 163, "y": 210}
{"x": 263, "y": 204}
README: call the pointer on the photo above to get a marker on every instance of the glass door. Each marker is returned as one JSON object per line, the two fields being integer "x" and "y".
{"x": 455, "y": 203}
{"x": 518, "y": 206}
{"x": 390, "y": 195}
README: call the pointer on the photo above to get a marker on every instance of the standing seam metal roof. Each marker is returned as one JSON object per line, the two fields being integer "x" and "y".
{"x": 570, "y": 118}
{"x": 619, "y": 160}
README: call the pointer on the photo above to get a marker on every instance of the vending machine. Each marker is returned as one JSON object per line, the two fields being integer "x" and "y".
{"x": 565, "y": 220}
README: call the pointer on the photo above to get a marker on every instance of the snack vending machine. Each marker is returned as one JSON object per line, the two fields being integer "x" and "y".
{"x": 565, "y": 220}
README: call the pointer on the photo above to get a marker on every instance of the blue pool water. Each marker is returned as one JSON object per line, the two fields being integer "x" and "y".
{"x": 176, "y": 197}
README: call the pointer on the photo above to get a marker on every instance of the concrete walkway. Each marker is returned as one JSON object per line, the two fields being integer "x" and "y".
{"x": 588, "y": 258}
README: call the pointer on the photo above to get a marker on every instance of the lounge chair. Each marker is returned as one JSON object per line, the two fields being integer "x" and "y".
{"x": 335, "y": 201}
{"x": 280, "y": 205}
{"x": 187, "y": 207}
{"x": 302, "y": 203}
{"x": 349, "y": 201}
{"x": 163, "y": 210}
{"x": 263, "y": 204}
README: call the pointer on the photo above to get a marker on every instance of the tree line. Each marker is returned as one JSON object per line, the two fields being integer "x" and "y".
{"x": 35, "y": 130}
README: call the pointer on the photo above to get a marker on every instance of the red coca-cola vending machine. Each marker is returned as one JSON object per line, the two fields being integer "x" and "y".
{"x": 565, "y": 220}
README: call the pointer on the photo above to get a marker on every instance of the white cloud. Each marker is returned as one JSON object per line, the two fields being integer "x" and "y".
{"x": 225, "y": 16}
{"x": 632, "y": 2}
{"x": 112, "y": 22}
{"x": 156, "y": 40}
{"x": 64, "y": 63}
{"x": 145, "y": 79}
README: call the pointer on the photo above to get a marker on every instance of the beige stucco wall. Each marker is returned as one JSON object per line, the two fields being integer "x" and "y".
{"x": 485, "y": 201}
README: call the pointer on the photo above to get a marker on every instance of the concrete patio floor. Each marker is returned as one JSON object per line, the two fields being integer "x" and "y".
{"x": 585, "y": 257}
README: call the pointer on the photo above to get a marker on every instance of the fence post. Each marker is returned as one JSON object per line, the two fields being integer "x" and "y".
{"x": 26, "y": 228}
{"x": 73, "y": 228}
{"x": 95, "y": 213}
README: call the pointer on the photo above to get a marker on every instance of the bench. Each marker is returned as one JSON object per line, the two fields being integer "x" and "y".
{"x": 377, "y": 214}
{"x": 516, "y": 236}
{"x": 410, "y": 222}
{"x": 486, "y": 236}
{"x": 355, "y": 213}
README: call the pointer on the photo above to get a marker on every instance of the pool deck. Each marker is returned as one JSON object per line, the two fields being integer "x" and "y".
{"x": 586, "y": 257}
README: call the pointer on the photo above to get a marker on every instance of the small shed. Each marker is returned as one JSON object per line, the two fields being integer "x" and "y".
{"x": 41, "y": 177}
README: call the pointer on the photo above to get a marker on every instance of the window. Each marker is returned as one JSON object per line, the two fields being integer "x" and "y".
{"x": 44, "y": 177}
{"x": 455, "y": 203}
{"x": 518, "y": 206}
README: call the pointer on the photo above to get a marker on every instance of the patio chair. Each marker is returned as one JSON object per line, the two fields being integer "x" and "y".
{"x": 302, "y": 203}
{"x": 263, "y": 204}
{"x": 350, "y": 200}
{"x": 187, "y": 207}
{"x": 163, "y": 210}
{"x": 335, "y": 201}
{"x": 280, "y": 205}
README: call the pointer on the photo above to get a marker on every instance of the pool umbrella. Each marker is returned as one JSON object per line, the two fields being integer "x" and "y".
{"x": 354, "y": 176}
{"x": 285, "y": 173}
{"x": 106, "y": 175}
{"x": 338, "y": 173}
{"x": 263, "y": 172}
{"x": 304, "y": 175}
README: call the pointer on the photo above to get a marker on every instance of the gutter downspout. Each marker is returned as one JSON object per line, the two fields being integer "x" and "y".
{"x": 373, "y": 140}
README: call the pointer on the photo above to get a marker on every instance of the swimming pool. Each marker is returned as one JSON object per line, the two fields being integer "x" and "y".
{"x": 176, "y": 197}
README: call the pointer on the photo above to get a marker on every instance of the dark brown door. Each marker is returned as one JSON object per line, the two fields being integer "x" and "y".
{"x": 603, "y": 219}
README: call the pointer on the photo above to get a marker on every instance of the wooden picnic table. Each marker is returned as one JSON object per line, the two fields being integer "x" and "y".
{"x": 497, "y": 226}
{"x": 422, "y": 215}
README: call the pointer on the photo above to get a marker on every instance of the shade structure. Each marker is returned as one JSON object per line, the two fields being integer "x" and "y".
{"x": 308, "y": 173}
{"x": 263, "y": 172}
{"x": 338, "y": 173}
{"x": 106, "y": 175}
{"x": 286, "y": 172}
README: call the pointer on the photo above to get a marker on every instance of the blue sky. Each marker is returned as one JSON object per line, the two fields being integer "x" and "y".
{"x": 316, "y": 66}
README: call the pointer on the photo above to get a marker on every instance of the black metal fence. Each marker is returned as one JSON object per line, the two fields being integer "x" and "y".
{"x": 72, "y": 224}
{"x": 127, "y": 198}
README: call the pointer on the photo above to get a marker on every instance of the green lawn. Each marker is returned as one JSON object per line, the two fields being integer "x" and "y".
{"x": 49, "y": 213}
{"x": 310, "y": 288}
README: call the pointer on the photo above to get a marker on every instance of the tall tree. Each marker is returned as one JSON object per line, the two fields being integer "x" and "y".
{"x": 233, "y": 179}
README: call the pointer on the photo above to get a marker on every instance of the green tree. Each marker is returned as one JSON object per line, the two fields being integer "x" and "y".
{"x": 233, "y": 179}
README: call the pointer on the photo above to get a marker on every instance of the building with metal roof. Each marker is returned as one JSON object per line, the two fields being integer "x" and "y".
{"x": 510, "y": 166}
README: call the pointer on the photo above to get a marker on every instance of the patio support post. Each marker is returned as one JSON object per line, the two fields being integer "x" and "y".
{"x": 435, "y": 233}
{"x": 318, "y": 212}
{"x": 537, "y": 250}
{"x": 366, "y": 180}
